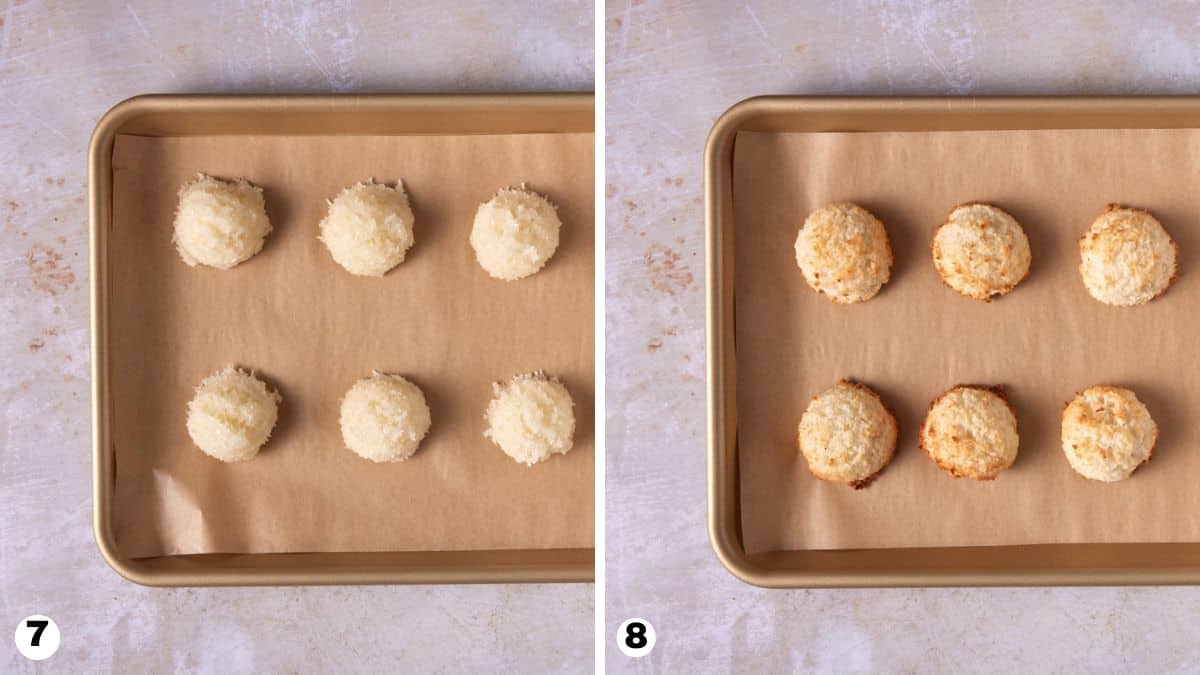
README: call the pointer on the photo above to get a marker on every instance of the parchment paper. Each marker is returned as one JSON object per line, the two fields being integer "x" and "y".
{"x": 311, "y": 329}
{"x": 1044, "y": 341}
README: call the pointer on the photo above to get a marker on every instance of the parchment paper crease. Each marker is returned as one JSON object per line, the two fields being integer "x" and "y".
{"x": 311, "y": 329}
{"x": 1045, "y": 341}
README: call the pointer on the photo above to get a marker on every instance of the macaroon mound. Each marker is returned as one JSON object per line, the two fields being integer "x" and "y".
{"x": 981, "y": 251}
{"x": 369, "y": 228}
{"x": 231, "y": 415}
{"x": 384, "y": 418}
{"x": 1107, "y": 433}
{"x": 844, "y": 253}
{"x": 1127, "y": 257}
{"x": 220, "y": 223}
{"x": 971, "y": 431}
{"x": 531, "y": 417}
{"x": 847, "y": 434}
{"x": 515, "y": 233}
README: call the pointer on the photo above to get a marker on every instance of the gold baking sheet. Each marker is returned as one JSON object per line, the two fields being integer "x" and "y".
{"x": 768, "y": 169}
{"x": 457, "y": 511}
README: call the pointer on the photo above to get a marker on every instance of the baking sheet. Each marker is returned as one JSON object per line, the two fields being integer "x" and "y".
{"x": 1044, "y": 341}
{"x": 311, "y": 329}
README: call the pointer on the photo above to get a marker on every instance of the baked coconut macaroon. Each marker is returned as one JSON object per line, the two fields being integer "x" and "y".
{"x": 971, "y": 431}
{"x": 1107, "y": 433}
{"x": 1127, "y": 258}
{"x": 981, "y": 251}
{"x": 231, "y": 415}
{"x": 531, "y": 417}
{"x": 847, "y": 434}
{"x": 369, "y": 228}
{"x": 384, "y": 418}
{"x": 844, "y": 253}
{"x": 515, "y": 233}
{"x": 220, "y": 223}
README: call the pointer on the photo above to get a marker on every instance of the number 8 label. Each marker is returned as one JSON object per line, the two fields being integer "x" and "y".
{"x": 635, "y": 638}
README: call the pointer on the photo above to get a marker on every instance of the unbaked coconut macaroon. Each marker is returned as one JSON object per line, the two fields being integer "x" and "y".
{"x": 1107, "y": 433}
{"x": 971, "y": 431}
{"x": 844, "y": 253}
{"x": 847, "y": 434}
{"x": 231, "y": 415}
{"x": 369, "y": 228}
{"x": 384, "y": 418}
{"x": 531, "y": 417}
{"x": 1127, "y": 258}
{"x": 981, "y": 251}
{"x": 515, "y": 233}
{"x": 220, "y": 223}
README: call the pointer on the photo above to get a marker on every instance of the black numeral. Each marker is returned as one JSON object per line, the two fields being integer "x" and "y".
{"x": 635, "y": 635}
{"x": 39, "y": 625}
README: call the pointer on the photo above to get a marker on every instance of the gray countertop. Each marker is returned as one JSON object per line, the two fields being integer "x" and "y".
{"x": 672, "y": 69}
{"x": 62, "y": 65}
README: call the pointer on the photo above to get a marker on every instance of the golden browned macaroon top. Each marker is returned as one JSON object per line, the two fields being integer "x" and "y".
{"x": 844, "y": 253}
{"x": 1127, "y": 258}
{"x": 1107, "y": 433}
{"x": 981, "y": 251}
{"x": 847, "y": 435}
{"x": 971, "y": 431}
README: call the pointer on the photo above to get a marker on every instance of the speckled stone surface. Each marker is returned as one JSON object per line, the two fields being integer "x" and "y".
{"x": 62, "y": 65}
{"x": 672, "y": 69}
